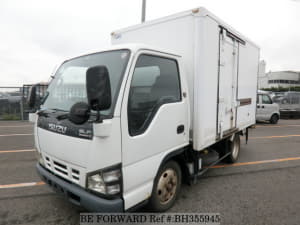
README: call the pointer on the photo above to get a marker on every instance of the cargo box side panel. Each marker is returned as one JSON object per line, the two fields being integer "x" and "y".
{"x": 206, "y": 82}
{"x": 175, "y": 35}
{"x": 247, "y": 85}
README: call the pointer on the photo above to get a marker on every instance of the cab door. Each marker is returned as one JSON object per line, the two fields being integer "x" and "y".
{"x": 154, "y": 121}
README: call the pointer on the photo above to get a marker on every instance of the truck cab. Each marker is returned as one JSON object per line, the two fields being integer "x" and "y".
{"x": 107, "y": 158}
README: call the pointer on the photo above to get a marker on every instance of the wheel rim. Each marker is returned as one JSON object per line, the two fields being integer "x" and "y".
{"x": 235, "y": 149}
{"x": 274, "y": 119}
{"x": 166, "y": 187}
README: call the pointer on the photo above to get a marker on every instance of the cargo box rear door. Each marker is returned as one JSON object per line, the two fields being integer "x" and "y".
{"x": 227, "y": 90}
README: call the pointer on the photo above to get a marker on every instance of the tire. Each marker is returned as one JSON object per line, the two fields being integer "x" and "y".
{"x": 234, "y": 149}
{"x": 166, "y": 188}
{"x": 274, "y": 119}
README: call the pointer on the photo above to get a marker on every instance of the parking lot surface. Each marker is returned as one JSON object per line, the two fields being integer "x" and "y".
{"x": 262, "y": 188}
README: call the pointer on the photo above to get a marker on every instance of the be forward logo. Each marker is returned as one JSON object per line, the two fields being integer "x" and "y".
{"x": 57, "y": 128}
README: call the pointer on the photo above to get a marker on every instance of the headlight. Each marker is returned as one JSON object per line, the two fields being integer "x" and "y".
{"x": 106, "y": 182}
{"x": 111, "y": 176}
{"x": 39, "y": 157}
{"x": 96, "y": 183}
{"x": 113, "y": 189}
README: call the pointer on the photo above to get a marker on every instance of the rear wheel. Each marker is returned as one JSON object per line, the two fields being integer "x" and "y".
{"x": 166, "y": 187}
{"x": 274, "y": 119}
{"x": 234, "y": 149}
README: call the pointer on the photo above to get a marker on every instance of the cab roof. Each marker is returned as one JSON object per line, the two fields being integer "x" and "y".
{"x": 133, "y": 47}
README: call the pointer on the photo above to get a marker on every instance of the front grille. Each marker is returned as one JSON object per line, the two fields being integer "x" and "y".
{"x": 48, "y": 162}
{"x": 62, "y": 169}
{"x": 75, "y": 174}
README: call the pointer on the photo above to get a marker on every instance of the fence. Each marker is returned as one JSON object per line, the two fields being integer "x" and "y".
{"x": 13, "y": 101}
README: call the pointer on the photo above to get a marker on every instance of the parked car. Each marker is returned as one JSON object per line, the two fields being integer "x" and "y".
{"x": 14, "y": 97}
{"x": 3, "y": 98}
{"x": 290, "y": 97}
{"x": 276, "y": 95}
{"x": 267, "y": 110}
{"x": 10, "y": 97}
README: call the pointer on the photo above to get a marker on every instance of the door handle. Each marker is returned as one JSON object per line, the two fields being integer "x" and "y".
{"x": 180, "y": 129}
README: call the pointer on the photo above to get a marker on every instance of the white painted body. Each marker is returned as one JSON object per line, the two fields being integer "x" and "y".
{"x": 208, "y": 109}
{"x": 194, "y": 35}
{"x": 266, "y": 108}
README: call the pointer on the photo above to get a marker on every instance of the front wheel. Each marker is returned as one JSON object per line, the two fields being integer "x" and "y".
{"x": 274, "y": 119}
{"x": 166, "y": 187}
{"x": 234, "y": 149}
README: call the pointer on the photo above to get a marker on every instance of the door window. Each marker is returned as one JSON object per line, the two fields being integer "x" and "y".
{"x": 155, "y": 82}
{"x": 266, "y": 99}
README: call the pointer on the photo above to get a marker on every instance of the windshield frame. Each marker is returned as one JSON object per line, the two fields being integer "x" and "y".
{"x": 118, "y": 86}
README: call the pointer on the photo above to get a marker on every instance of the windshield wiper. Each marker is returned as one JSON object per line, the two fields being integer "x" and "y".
{"x": 56, "y": 109}
{"x": 62, "y": 116}
{"x": 43, "y": 113}
{"x": 46, "y": 112}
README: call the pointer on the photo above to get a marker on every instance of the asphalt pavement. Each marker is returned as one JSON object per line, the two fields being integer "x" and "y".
{"x": 262, "y": 188}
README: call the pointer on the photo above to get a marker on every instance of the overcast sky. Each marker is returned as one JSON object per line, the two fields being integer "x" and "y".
{"x": 36, "y": 35}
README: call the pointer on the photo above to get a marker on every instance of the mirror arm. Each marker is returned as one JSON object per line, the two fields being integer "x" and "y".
{"x": 98, "y": 117}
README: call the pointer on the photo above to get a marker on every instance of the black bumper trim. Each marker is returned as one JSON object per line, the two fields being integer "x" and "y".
{"x": 78, "y": 195}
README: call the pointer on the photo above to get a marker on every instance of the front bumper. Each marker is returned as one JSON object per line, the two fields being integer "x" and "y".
{"x": 78, "y": 195}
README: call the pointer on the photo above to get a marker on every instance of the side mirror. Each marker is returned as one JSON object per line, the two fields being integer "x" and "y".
{"x": 31, "y": 99}
{"x": 98, "y": 88}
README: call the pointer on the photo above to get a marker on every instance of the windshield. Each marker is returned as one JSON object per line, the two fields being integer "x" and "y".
{"x": 68, "y": 86}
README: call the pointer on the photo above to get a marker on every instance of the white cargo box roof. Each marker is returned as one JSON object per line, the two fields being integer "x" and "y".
{"x": 200, "y": 11}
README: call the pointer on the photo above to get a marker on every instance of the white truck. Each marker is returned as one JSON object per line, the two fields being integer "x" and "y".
{"x": 126, "y": 126}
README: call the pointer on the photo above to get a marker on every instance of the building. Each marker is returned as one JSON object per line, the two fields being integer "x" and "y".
{"x": 283, "y": 79}
{"x": 262, "y": 77}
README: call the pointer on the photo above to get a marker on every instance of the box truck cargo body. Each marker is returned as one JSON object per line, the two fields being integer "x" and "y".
{"x": 127, "y": 125}
{"x": 221, "y": 69}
